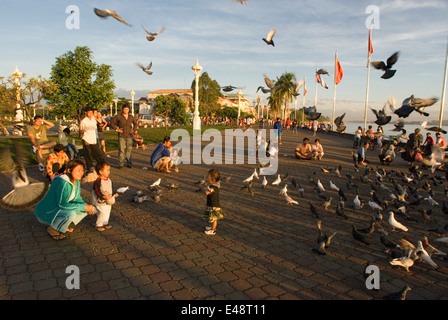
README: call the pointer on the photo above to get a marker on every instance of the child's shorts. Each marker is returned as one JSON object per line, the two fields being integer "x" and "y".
{"x": 212, "y": 214}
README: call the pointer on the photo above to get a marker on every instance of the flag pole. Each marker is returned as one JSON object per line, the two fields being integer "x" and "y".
{"x": 315, "y": 97}
{"x": 368, "y": 80}
{"x": 334, "y": 93}
{"x": 304, "y": 97}
{"x": 442, "y": 100}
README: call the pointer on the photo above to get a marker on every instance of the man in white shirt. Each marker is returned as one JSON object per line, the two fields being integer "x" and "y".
{"x": 89, "y": 132}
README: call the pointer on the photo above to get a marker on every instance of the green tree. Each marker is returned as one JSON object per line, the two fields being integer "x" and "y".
{"x": 209, "y": 92}
{"x": 170, "y": 107}
{"x": 31, "y": 93}
{"x": 80, "y": 83}
{"x": 284, "y": 89}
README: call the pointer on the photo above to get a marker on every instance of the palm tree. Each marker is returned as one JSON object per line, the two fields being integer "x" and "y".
{"x": 282, "y": 94}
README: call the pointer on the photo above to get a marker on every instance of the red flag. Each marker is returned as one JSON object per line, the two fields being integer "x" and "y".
{"x": 370, "y": 43}
{"x": 339, "y": 72}
{"x": 321, "y": 81}
{"x": 304, "y": 89}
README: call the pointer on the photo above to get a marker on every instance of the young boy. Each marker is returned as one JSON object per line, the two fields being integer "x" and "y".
{"x": 102, "y": 196}
{"x": 213, "y": 211}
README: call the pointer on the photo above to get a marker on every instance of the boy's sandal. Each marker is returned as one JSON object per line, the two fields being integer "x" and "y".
{"x": 100, "y": 228}
{"x": 107, "y": 226}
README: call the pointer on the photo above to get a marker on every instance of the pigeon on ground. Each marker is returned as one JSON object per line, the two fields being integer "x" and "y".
{"x": 359, "y": 236}
{"x": 444, "y": 240}
{"x": 333, "y": 186}
{"x": 140, "y": 197}
{"x": 269, "y": 38}
{"x": 431, "y": 250}
{"x": 400, "y": 295}
{"x": 157, "y": 183}
{"x": 327, "y": 203}
{"x": 248, "y": 180}
{"x": 320, "y": 186}
{"x": 423, "y": 255}
{"x": 123, "y": 189}
{"x": 145, "y": 69}
{"x": 388, "y": 244}
{"x": 284, "y": 190}
{"x": 264, "y": 183}
{"x": 152, "y": 36}
{"x": 386, "y": 67}
{"x": 289, "y": 200}
{"x": 395, "y": 224}
{"x": 109, "y": 13}
{"x": 404, "y": 261}
{"x": 277, "y": 181}
{"x": 24, "y": 194}
{"x": 301, "y": 191}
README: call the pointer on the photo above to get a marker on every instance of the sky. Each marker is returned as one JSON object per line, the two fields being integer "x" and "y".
{"x": 226, "y": 38}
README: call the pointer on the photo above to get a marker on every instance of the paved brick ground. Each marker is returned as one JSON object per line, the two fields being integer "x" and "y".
{"x": 262, "y": 249}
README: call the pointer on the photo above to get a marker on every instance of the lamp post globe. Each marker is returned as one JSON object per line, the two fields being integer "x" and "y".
{"x": 196, "y": 119}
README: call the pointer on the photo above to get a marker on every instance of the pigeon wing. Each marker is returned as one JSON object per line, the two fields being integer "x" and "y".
{"x": 24, "y": 197}
{"x": 379, "y": 65}
{"x": 101, "y": 13}
{"x": 392, "y": 59}
{"x": 270, "y": 35}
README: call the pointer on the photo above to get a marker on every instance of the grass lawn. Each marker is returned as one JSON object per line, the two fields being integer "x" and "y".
{"x": 150, "y": 136}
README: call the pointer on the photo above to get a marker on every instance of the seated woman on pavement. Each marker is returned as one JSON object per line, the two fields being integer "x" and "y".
{"x": 138, "y": 140}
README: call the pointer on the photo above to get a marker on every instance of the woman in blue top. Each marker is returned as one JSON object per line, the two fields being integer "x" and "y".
{"x": 63, "y": 205}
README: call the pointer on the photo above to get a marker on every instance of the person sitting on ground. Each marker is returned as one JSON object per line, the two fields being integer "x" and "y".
{"x": 56, "y": 162}
{"x": 318, "y": 150}
{"x": 440, "y": 141}
{"x": 304, "y": 151}
{"x": 70, "y": 149}
{"x": 39, "y": 141}
{"x": 362, "y": 154}
{"x": 138, "y": 140}
{"x": 387, "y": 153}
{"x": 427, "y": 145}
{"x": 161, "y": 156}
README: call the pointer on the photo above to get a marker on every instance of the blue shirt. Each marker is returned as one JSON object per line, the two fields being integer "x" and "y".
{"x": 159, "y": 152}
{"x": 278, "y": 126}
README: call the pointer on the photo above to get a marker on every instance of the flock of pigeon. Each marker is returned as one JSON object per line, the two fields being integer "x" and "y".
{"x": 398, "y": 203}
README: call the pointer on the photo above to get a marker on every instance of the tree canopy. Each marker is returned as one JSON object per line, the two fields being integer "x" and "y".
{"x": 80, "y": 83}
{"x": 170, "y": 107}
{"x": 209, "y": 92}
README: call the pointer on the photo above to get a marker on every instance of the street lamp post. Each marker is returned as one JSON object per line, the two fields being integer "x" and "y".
{"x": 258, "y": 108}
{"x": 196, "y": 119}
{"x": 132, "y": 101}
{"x": 17, "y": 77}
{"x": 116, "y": 102}
{"x": 240, "y": 94}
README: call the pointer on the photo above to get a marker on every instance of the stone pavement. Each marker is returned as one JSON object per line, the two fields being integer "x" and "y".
{"x": 262, "y": 250}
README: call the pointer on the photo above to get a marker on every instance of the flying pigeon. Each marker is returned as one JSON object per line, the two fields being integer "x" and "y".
{"x": 151, "y": 36}
{"x": 25, "y": 194}
{"x": 338, "y": 121}
{"x": 297, "y": 86}
{"x": 240, "y": 1}
{"x": 386, "y": 67}
{"x": 434, "y": 129}
{"x": 264, "y": 90}
{"x": 145, "y": 69}
{"x": 381, "y": 117}
{"x": 268, "y": 82}
{"x": 269, "y": 38}
{"x": 107, "y": 12}
{"x": 228, "y": 88}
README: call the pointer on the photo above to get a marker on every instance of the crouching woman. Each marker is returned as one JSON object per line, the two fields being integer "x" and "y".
{"x": 63, "y": 205}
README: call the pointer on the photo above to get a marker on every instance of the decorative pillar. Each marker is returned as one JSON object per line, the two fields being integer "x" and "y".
{"x": 196, "y": 119}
